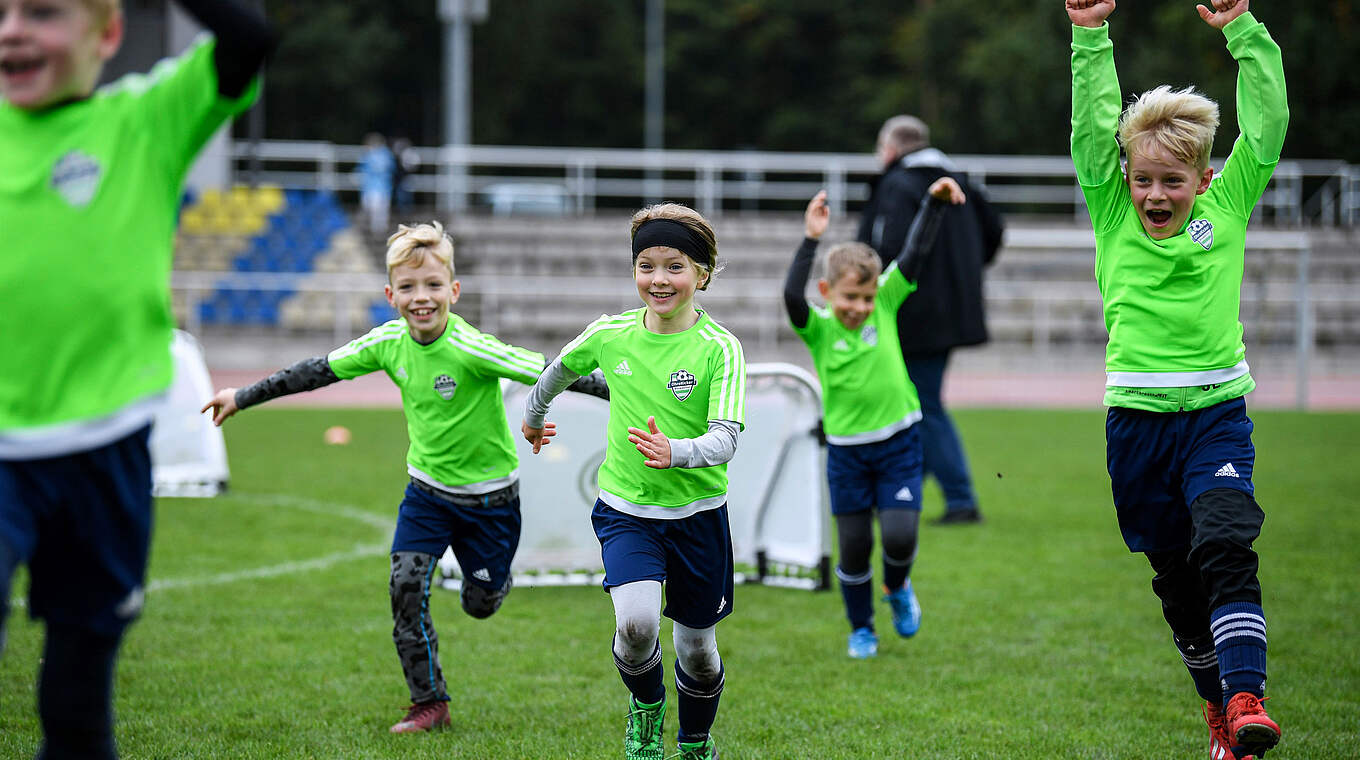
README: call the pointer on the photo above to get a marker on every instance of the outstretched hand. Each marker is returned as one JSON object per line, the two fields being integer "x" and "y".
{"x": 653, "y": 444}
{"x": 817, "y": 216}
{"x": 1090, "y": 13}
{"x": 1223, "y": 13}
{"x": 947, "y": 190}
{"x": 539, "y": 437}
{"x": 222, "y": 404}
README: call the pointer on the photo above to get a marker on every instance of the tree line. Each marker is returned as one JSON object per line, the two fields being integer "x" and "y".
{"x": 788, "y": 75}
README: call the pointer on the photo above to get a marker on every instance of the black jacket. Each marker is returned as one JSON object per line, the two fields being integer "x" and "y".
{"x": 946, "y": 310}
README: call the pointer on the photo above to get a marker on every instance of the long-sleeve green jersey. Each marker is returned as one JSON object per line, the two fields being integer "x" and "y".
{"x": 1171, "y": 306}
{"x": 88, "y": 198}
{"x": 682, "y": 379}
{"x": 450, "y": 391}
{"x": 866, "y": 393}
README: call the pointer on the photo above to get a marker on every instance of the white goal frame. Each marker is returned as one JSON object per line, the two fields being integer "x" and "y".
{"x": 188, "y": 453}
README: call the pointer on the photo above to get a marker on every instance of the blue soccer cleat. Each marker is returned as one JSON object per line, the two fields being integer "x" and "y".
{"x": 906, "y": 611}
{"x": 863, "y": 643}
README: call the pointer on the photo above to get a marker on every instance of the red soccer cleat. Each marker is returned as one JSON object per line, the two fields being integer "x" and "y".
{"x": 1220, "y": 738}
{"x": 1249, "y": 725}
{"x": 425, "y": 716}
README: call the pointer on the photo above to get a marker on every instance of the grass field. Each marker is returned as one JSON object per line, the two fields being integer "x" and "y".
{"x": 267, "y": 629}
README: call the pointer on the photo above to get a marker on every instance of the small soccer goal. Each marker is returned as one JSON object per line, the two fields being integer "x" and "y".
{"x": 188, "y": 453}
{"x": 777, "y": 498}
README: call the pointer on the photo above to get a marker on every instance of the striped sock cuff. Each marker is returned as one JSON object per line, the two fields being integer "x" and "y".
{"x": 685, "y": 684}
{"x": 856, "y": 579}
{"x": 1238, "y": 620}
{"x": 633, "y": 670}
{"x": 1197, "y": 653}
{"x": 1239, "y": 630}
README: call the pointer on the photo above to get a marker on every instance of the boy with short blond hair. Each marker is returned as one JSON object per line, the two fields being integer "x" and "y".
{"x": 874, "y": 459}
{"x": 1170, "y": 252}
{"x": 90, "y": 185}
{"x": 464, "y": 487}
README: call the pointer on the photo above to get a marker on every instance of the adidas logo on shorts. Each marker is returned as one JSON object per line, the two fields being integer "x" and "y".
{"x": 482, "y": 575}
{"x": 1227, "y": 471}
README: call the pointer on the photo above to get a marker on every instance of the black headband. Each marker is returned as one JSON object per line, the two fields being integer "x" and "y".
{"x": 671, "y": 234}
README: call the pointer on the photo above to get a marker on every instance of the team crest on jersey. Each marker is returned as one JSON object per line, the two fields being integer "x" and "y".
{"x": 869, "y": 335}
{"x": 445, "y": 386}
{"x": 75, "y": 177}
{"x": 682, "y": 384}
{"x": 1202, "y": 232}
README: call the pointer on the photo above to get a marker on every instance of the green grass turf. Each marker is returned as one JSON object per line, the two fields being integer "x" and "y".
{"x": 267, "y": 630}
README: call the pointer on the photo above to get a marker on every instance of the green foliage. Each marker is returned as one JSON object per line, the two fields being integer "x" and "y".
{"x": 790, "y": 75}
{"x": 267, "y": 630}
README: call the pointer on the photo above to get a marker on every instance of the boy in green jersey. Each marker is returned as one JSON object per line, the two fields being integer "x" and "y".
{"x": 870, "y": 408}
{"x": 1170, "y": 250}
{"x": 90, "y": 183}
{"x": 661, "y": 516}
{"x": 464, "y": 489}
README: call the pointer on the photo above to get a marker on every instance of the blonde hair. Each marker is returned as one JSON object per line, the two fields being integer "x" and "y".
{"x": 103, "y": 10}
{"x": 904, "y": 133}
{"x": 852, "y": 258}
{"x": 411, "y": 244}
{"x": 691, "y": 219}
{"x": 1181, "y": 121}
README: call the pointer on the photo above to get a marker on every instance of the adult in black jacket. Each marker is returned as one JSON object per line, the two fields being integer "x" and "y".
{"x": 946, "y": 310}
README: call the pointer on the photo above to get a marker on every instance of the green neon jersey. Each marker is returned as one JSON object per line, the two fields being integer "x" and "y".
{"x": 89, "y": 197}
{"x": 684, "y": 380}
{"x": 450, "y": 391}
{"x": 1171, "y": 306}
{"x": 866, "y": 393}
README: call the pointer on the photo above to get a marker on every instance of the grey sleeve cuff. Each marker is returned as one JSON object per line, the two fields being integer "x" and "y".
{"x": 554, "y": 380}
{"x": 715, "y": 447}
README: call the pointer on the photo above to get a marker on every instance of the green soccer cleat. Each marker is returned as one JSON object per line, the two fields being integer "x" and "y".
{"x": 642, "y": 740}
{"x": 704, "y": 750}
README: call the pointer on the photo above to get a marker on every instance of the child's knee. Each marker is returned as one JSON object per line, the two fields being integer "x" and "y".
{"x": 483, "y": 603}
{"x": 637, "y": 636}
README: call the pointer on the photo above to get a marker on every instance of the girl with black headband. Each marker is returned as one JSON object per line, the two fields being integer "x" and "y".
{"x": 661, "y": 515}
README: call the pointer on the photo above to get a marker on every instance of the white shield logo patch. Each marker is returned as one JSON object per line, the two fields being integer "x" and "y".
{"x": 75, "y": 177}
{"x": 1202, "y": 232}
{"x": 681, "y": 384}
{"x": 445, "y": 386}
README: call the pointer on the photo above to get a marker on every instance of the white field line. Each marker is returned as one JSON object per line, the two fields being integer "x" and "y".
{"x": 358, "y": 551}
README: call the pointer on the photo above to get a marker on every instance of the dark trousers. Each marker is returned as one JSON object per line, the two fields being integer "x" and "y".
{"x": 944, "y": 457}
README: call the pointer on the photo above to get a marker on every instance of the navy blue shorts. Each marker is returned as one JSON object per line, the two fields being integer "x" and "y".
{"x": 1160, "y": 462}
{"x": 483, "y": 530}
{"x": 692, "y": 556}
{"x": 82, "y": 523}
{"x": 886, "y": 474}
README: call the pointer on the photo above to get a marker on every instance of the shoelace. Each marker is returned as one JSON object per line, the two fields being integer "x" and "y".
{"x": 644, "y": 720}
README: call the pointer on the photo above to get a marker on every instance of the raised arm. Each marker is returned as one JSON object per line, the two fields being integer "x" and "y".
{"x": 1262, "y": 100}
{"x": 1095, "y": 92}
{"x": 306, "y": 375}
{"x": 815, "y": 221}
{"x": 244, "y": 40}
{"x": 926, "y": 226}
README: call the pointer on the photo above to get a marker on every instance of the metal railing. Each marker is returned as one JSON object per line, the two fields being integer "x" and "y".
{"x": 456, "y": 178}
